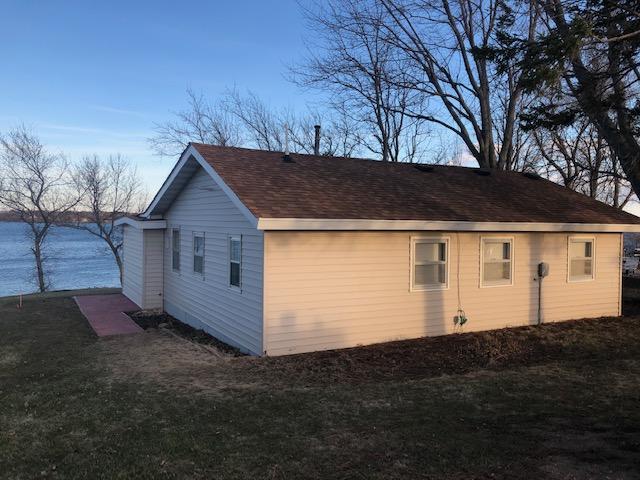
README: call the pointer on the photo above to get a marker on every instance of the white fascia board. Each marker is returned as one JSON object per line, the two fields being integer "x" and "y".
{"x": 142, "y": 224}
{"x": 167, "y": 183}
{"x": 192, "y": 152}
{"x": 418, "y": 225}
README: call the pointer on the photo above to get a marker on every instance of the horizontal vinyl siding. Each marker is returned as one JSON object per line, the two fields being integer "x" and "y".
{"x": 133, "y": 265}
{"x": 206, "y": 301}
{"x": 153, "y": 253}
{"x": 339, "y": 289}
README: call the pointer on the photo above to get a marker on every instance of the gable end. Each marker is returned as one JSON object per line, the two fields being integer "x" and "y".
{"x": 182, "y": 172}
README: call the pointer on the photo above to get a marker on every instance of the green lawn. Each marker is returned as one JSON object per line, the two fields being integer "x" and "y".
{"x": 559, "y": 401}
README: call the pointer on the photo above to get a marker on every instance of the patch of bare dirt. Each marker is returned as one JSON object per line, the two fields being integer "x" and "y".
{"x": 168, "y": 361}
{"x": 457, "y": 353}
{"x": 153, "y": 320}
{"x": 171, "y": 360}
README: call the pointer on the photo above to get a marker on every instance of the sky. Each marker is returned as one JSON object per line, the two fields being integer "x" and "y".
{"x": 93, "y": 77}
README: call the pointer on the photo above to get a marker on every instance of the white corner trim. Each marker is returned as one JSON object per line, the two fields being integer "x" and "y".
{"x": 417, "y": 225}
{"x": 142, "y": 224}
{"x": 191, "y": 151}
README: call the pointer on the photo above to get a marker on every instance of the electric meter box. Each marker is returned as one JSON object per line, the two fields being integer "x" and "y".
{"x": 543, "y": 269}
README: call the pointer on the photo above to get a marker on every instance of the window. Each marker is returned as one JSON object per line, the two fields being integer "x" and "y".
{"x": 198, "y": 252}
{"x": 175, "y": 249}
{"x": 496, "y": 262}
{"x": 430, "y": 263}
{"x": 235, "y": 261}
{"x": 581, "y": 253}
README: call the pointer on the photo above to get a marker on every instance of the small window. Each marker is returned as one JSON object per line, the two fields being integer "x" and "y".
{"x": 581, "y": 254}
{"x": 175, "y": 249}
{"x": 430, "y": 263}
{"x": 198, "y": 253}
{"x": 497, "y": 261}
{"x": 235, "y": 261}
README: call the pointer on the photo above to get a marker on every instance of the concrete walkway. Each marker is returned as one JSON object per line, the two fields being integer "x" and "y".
{"x": 105, "y": 313}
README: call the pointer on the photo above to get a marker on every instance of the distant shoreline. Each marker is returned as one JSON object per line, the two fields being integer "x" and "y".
{"x": 72, "y": 217}
{"x": 8, "y": 217}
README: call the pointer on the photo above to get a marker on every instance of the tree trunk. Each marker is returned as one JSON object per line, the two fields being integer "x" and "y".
{"x": 37, "y": 253}
{"x": 628, "y": 153}
{"x": 116, "y": 255}
{"x": 120, "y": 265}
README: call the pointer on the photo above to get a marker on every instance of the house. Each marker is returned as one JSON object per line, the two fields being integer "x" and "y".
{"x": 280, "y": 254}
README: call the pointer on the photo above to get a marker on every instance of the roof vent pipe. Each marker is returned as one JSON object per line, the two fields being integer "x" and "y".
{"x": 316, "y": 144}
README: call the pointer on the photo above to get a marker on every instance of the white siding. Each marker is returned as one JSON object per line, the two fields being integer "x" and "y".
{"x": 206, "y": 301}
{"x": 133, "y": 276}
{"x": 142, "y": 279}
{"x": 327, "y": 290}
{"x": 153, "y": 252}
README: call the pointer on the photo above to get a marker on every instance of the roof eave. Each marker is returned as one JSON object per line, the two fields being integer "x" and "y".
{"x": 316, "y": 224}
{"x": 141, "y": 223}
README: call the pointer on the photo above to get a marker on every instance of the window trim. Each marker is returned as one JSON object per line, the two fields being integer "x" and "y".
{"x": 193, "y": 252}
{"x": 582, "y": 278}
{"x": 502, "y": 239}
{"x": 413, "y": 287}
{"x": 176, "y": 229}
{"x": 230, "y": 238}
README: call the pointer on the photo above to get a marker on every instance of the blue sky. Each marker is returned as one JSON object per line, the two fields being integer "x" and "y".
{"x": 93, "y": 77}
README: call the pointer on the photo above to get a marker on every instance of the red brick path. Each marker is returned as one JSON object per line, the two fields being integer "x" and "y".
{"x": 105, "y": 313}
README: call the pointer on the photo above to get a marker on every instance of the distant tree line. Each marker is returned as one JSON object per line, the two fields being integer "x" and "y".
{"x": 43, "y": 189}
{"x": 549, "y": 86}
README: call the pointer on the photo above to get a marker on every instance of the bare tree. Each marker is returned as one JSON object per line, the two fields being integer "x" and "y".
{"x": 201, "y": 122}
{"x": 111, "y": 188}
{"x": 446, "y": 150}
{"x": 618, "y": 189}
{"x": 35, "y": 185}
{"x": 579, "y": 158}
{"x": 263, "y": 127}
{"x": 354, "y": 62}
{"x": 585, "y": 60}
{"x": 445, "y": 48}
{"x": 340, "y": 137}
{"x": 249, "y": 121}
{"x": 559, "y": 157}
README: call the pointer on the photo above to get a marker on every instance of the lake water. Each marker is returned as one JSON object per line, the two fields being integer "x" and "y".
{"x": 77, "y": 259}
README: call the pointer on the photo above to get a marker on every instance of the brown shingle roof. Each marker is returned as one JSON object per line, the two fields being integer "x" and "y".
{"x": 347, "y": 188}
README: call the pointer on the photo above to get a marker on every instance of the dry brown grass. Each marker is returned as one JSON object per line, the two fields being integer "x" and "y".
{"x": 559, "y": 401}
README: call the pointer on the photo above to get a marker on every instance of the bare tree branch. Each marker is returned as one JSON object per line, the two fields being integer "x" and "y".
{"x": 112, "y": 188}
{"x": 37, "y": 186}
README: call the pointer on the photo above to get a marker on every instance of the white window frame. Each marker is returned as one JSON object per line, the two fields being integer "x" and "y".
{"x": 582, "y": 278}
{"x": 193, "y": 251}
{"x": 413, "y": 287}
{"x": 231, "y": 238}
{"x": 173, "y": 269}
{"x": 494, "y": 239}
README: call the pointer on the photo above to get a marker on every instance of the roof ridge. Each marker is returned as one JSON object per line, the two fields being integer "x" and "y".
{"x": 362, "y": 159}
